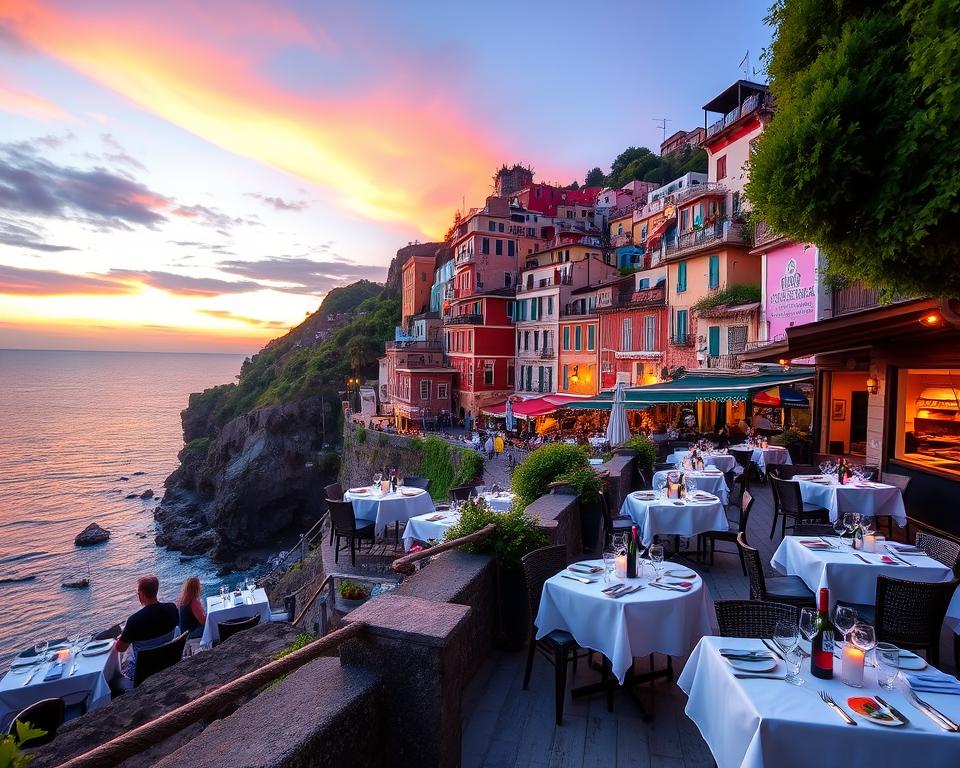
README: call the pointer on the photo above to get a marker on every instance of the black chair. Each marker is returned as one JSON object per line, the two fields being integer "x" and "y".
{"x": 664, "y": 467}
{"x": 744, "y": 459}
{"x": 462, "y": 492}
{"x": 345, "y": 527}
{"x": 871, "y": 473}
{"x": 417, "y": 482}
{"x": 779, "y": 589}
{"x": 737, "y": 485}
{"x": 334, "y": 492}
{"x": 112, "y": 633}
{"x": 558, "y": 646}
{"x": 612, "y": 522}
{"x": 46, "y": 714}
{"x": 710, "y": 538}
{"x": 228, "y": 629}
{"x": 910, "y": 613}
{"x": 154, "y": 660}
{"x": 790, "y": 471}
{"x": 814, "y": 529}
{"x": 940, "y": 549}
{"x": 752, "y": 618}
{"x": 903, "y": 483}
{"x": 788, "y": 503}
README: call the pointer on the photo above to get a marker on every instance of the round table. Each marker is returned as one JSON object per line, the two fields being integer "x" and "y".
{"x": 722, "y": 461}
{"x": 674, "y": 517}
{"x": 712, "y": 482}
{"x": 649, "y": 621}
{"x": 764, "y": 457}
{"x": 868, "y": 498}
{"x": 432, "y": 525}
{"x": 499, "y": 502}
{"x": 382, "y": 509}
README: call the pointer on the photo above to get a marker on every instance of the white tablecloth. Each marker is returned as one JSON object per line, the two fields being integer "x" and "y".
{"x": 771, "y": 724}
{"x": 386, "y": 509}
{"x": 420, "y": 528}
{"x": 499, "y": 502}
{"x": 667, "y": 517}
{"x": 764, "y": 457}
{"x": 712, "y": 482}
{"x": 952, "y": 618}
{"x": 90, "y": 683}
{"x": 722, "y": 461}
{"x": 648, "y": 621}
{"x": 217, "y": 613}
{"x": 848, "y": 578}
{"x": 872, "y": 499}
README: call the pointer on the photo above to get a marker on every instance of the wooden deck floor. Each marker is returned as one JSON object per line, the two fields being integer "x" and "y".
{"x": 505, "y": 726}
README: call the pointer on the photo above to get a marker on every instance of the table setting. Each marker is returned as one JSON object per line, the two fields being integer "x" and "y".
{"x": 244, "y": 601}
{"x": 382, "y": 506}
{"x": 658, "y": 515}
{"x": 75, "y": 669}
{"x": 766, "y": 455}
{"x": 865, "y": 497}
{"x": 716, "y": 458}
{"x": 873, "y": 711}
{"x": 710, "y": 479}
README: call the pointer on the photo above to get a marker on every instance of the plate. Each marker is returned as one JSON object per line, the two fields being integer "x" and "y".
{"x": 703, "y": 497}
{"x": 680, "y": 574}
{"x": 359, "y": 490}
{"x": 863, "y": 706}
{"x": 912, "y": 662}
{"x": 760, "y": 665}
{"x": 646, "y": 496}
{"x": 95, "y": 649}
{"x": 410, "y": 492}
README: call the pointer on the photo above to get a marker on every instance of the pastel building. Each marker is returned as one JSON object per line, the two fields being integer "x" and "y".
{"x": 416, "y": 283}
{"x": 578, "y": 357}
{"x": 442, "y": 288}
{"x": 419, "y": 381}
{"x": 632, "y": 315}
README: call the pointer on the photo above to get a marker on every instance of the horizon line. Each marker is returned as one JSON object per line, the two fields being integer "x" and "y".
{"x": 121, "y": 351}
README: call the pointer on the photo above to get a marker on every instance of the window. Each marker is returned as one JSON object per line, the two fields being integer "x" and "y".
{"x": 643, "y": 232}
{"x": 681, "y": 334}
{"x": 511, "y": 248}
{"x": 470, "y": 375}
{"x": 485, "y": 245}
{"x": 736, "y": 203}
{"x": 649, "y": 333}
{"x": 684, "y": 219}
{"x": 736, "y": 339}
{"x": 566, "y": 378}
{"x": 626, "y": 335}
{"x": 619, "y": 229}
{"x": 511, "y": 374}
{"x": 500, "y": 227}
{"x": 591, "y": 337}
{"x": 499, "y": 247}
{"x": 566, "y": 337}
{"x": 488, "y": 374}
{"x": 492, "y": 226}
{"x": 536, "y": 340}
{"x": 643, "y": 284}
{"x": 721, "y": 167}
{"x": 681, "y": 277}
{"x": 928, "y": 425}
{"x": 526, "y": 340}
{"x": 549, "y": 306}
{"x": 714, "y": 277}
{"x": 509, "y": 305}
{"x": 577, "y": 337}
{"x": 443, "y": 392}
{"x": 425, "y": 390}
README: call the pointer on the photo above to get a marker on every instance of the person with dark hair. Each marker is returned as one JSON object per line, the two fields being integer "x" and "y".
{"x": 153, "y": 625}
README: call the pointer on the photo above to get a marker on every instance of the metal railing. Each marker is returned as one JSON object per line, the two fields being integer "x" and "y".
{"x": 548, "y": 354}
{"x": 722, "y": 361}
{"x": 722, "y": 231}
{"x": 681, "y": 341}
{"x": 750, "y": 104}
{"x": 302, "y": 549}
{"x": 469, "y": 319}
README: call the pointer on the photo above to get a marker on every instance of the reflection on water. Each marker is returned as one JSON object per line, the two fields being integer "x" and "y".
{"x": 71, "y": 425}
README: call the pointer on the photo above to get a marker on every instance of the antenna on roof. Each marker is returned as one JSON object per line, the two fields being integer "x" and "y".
{"x": 745, "y": 65}
{"x": 662, "y": 125}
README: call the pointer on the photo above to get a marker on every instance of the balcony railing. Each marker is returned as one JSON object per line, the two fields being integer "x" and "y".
{"x": 619, "y": 241}
{"x": 416, "y": 346}
{"x": 722, "y": 231}
{"x": 548, "y": 353}
{"x": 470, "y": 319}
{"x": 681, "y": 341}
{"x": 577, "y": 310}
{"x": 750, "y": 104}
{"x": 853, "y": 298}
{"x": 722, "y": 361}
{"x": 541, "y": 388}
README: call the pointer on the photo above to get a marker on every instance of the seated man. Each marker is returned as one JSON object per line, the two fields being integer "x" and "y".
{"x": 151, "y": 626}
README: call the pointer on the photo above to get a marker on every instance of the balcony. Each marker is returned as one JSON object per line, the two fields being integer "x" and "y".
{"x": 463, "y": 258}
{"x": 763, "y": 234}
{"x": 547, "y": 354}
{"x": 750, "y": 104}
{"x": 718, "y": 233}
{"x": 416, "y": 346}
{"x": 577, "y": 310}
{"x": 681, "y": 341}
{"x": 470, "y": 319}
{"x": 730, "y": 362}
{"x": 619, "y": 241}
{"x": 649, "y": 297}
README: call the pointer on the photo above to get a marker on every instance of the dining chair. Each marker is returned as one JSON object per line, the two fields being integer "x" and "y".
{"x": 111, "y": 633}
{"x": 663, "y": 466}
{"x": 462, "y": 492}
{"x": 744, "y": 459}
{"x": 752, "y": 618}
{"x": 334, "y": 492}
{"x": 910, "y": 613}
{"x": 734, "y": 527}
{"x": 903, "y": 483}
{"x": 345, "y": 527}
{"x": 417, "y": 482}
{"x": 737, "y": 485}
{"x": 558, "y": 646}
{"x": 814, "y": 529}
{"x": 153, "y": 660}
{"x": 778, "y": 589}
{"x": 47, "y": 715}
{"x": 790, "y": 471}
{"x": 788, "y": 503}
{"x": 613, "y": 522}
{"x": 940, "y": 549}
{"x": 228, "y": 629}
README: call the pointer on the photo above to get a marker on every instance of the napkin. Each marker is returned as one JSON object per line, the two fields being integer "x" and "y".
{"x": 932, "y": 681}
{"x": 816, "y": 544}
{"x": 55, "y": 672}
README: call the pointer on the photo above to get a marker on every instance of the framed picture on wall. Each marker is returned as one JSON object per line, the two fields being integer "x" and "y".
{"x": 839, "y": 410}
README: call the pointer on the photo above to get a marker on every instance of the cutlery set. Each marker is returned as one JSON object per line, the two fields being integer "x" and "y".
{"x": 828, "y": 700}
{"x": 619, "y": 590}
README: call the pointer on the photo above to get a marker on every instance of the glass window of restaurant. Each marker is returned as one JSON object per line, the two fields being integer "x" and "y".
{"x": 928, "y": 418}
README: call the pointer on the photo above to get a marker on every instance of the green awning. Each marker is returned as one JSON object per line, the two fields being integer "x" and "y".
{"x": 698, "y": 386}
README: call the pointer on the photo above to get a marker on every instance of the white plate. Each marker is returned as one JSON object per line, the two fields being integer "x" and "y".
{"x": 912, "y": 663}
{"x": 681, "y": 574}
{"x": 760, "y": 665}
{"x": 95, "y": 649}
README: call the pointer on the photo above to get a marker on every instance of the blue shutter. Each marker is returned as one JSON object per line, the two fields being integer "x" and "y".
{"x": 714, "y": 271}
{"x": 681, "y": 277}
{"x": 713, "y": 340}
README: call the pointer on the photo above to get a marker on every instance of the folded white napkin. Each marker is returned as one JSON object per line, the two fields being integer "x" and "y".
{"x": 932, "y": 681}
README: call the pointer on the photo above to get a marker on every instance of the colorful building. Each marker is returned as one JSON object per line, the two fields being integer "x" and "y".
{"x": 633, "y": 329}
{"x": 578, "y": 358}
{"x": 419, "y": 381}
{"x": 544, "y": 198}
{"x": 416, "y": 282}
{"x": 442, "y": 288}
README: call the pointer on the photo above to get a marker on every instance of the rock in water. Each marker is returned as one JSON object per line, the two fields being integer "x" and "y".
{"x": 132, "y": 496}
{"x": 122, "y": 478}
{"x": 147, "y": 494}
{"x": 92, "y": 534}
{"x": 139, "y": 472}
{"x": 76, "y": 584}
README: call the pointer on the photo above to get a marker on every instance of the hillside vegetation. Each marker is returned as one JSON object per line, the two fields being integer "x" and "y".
{"x": 641, "y": 164}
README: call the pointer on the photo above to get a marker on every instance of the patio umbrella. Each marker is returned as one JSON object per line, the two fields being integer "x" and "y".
{"x": 618, "y": 432}
{"x": 510, "y": 422}
{"x": 781, "y": 397}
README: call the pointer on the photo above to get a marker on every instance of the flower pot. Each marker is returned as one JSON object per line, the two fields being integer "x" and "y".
{"x": 345, "y": 605}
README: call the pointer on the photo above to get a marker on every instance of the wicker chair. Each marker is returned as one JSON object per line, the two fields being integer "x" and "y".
{"x": 744, "y": 459}
{"x": 462, "y": 492}
{"x": 789, "y": 471}
{"x": 940, "y": 549}
{"x": 228, "y": 629}
{"x": 345, "y": 527}
{"x": 780, "y": 589}
{"x": 814, "y": 529}
{"x": 663, "y": 466}
{"x": 558, "y": 646}
{"x": 47, "y": 715}
{"x": 910, "y": 613}
{"x": 787, "y": 502}
{"x": 709, "y": 539}
{"x": 417, "y": 482}
{"x": 154, "y": 660}
{"x": 752, "y": 618}
{"x": 737, "y": 485}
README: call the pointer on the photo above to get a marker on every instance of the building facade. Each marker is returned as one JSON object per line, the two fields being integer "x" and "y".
{"x": 633, "y": 329}
{"x": 416, "y": 280}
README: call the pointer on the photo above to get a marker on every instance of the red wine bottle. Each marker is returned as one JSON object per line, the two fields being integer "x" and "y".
{"x": 632, "y": 548}
{"x": 821, "y": 659}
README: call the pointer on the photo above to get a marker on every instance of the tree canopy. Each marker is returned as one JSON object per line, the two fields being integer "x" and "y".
{"x": 863, "y": 154}
{"x": 641, "y": 164}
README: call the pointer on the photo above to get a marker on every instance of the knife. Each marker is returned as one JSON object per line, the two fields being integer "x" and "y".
{"x": 773, "y": 650}
{"x": 73, "y": 668}
{"x": 748, "y": 676}
{"x": 578, "y": 578}
{"x": 933, "y": 713}
{"x": 861, "y": 557}
{"x": 905, "y": 562}
{"x": 30, "y": 676}
{"x": 893, "y": 710}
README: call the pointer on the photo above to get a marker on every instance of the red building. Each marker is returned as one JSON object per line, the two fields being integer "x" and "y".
{"x": 416, "y": 281}
{"x": 419, "y": 381}
{"x": 633, "y": 329}
{"x": 544, "y": 198}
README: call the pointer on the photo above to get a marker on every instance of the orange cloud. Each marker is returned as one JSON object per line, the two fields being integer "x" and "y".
{"x": 20, "y": 102}
{"x": 401, "y": 152}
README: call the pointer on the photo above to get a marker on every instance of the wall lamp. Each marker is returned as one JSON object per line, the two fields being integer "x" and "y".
{"x": 931, "y": 320}
{"x": 873, "y": 385}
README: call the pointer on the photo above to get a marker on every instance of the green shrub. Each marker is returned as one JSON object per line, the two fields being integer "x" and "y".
{"x": 416, "y": 444}
{"x": 436, "y": 465}
{"x": 514, "y": 536}
{"x": 646, "y": 451}
{"x": 352, "y": 590}
{"x": 361, "y": 434}
{"x": 470, "y": 469}
{"x": 789, "y": 437}
{"x": 586, "y": 482}
{"x": 733, "y": 295}
{"x": 304, "y": 638}
{"x": 10, "y": 754}
{"x": 542, "y": 467}
{"x": 199, "y": 445}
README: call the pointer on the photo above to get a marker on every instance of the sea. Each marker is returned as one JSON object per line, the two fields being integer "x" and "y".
{"x": 79, "y": 432}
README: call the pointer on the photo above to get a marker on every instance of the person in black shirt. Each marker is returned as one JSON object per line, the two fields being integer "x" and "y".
{"x": 151, "y": 626}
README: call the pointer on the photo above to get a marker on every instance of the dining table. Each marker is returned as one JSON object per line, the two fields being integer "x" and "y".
{"x": 432, "y": 525}
{"x": 711, "y": 480}
{"x": 654, "y": 619}
{"x": 239, "y": 604}
{"x": 499, "y": 501}
{"x": 84, "y": 677}
{"x": 764, "y": 722}
{"x": 371, "y": 505}
{"x": 851, "y": 574}
{"x": 869, "y": 498}
{"x": 721, "y": 460}
{"x": 764, "y": 457}
{"x": 656, "y": 515}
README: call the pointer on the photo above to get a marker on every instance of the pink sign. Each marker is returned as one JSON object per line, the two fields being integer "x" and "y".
{"x": 791, "y": 288}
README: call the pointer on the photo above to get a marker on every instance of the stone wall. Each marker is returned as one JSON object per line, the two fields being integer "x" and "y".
{"x": 558, "y": 514}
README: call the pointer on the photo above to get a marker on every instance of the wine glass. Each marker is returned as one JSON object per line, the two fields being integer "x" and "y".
{"x": 850, "y": 521}
{"x": 844, "y": 619}
{"x": 808, "y": 624}
{"x": 377, "y": 477}
{"x": 223, "y": 594}
{"x": 691, "y": 483}
{"x": 40, "y": 649}
{"x": 786, "y": 634}
{"x": 656, "y": 557}
{"x": 866, "y": 524}
{"x": 864, "y": 637}
{"x": 659, "y": 485}
{"x": 839, "y": 527}
{"x": 251, "y": 585}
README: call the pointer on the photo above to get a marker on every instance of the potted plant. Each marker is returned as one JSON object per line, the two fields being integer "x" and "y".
{"x": 588, "y": 486}
{"x": 796, "y": 443}
{"x": 645, "y": 450}
{"x": 350, "y": 595}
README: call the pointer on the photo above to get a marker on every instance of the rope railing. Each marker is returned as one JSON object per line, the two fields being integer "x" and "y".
{"x": 136, "y": 741}
{"x": 405, "y": 564}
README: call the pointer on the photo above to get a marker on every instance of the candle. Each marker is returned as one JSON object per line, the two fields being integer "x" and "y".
{"x": 620, "y": 566}
{"x": 674, "y": 492}
{"x": 384, "y": 486}
{"x": 870, "y": 543}
{"x": 852, "y": 670}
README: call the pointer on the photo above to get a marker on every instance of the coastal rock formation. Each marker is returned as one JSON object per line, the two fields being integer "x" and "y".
{"x": 92, "y": 534}
{"x": 147, "y": 494}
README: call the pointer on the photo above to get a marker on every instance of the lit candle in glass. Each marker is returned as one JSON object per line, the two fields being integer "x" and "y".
{"x": 870, "y": 542}
{"x": 852, "y": 670}
{"x": 620, "y": 566}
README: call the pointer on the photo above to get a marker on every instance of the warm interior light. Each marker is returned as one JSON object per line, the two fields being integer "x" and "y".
{"x": 574, "y": 377}
{"x": 931, "y": 320}
{"x": 873, "y": 386}
{"x": 784, "y": 363}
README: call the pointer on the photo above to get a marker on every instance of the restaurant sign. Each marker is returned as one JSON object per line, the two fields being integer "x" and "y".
{"x": 791, "y": 288}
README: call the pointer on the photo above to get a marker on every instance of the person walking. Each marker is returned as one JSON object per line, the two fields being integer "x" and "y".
{"x": 498, "y": 444}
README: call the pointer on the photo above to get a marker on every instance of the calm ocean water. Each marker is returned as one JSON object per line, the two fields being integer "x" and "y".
{"x": 71, "y": 424}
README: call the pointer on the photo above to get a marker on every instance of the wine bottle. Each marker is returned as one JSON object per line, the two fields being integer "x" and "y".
{"x": 632, "y": 548}
{"x": 821, "y": 659}
{"x": 682, "y": 489}
{"x": 393, "y": 480}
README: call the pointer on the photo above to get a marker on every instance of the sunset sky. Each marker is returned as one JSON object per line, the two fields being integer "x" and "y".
{"x": 194, "y": 176}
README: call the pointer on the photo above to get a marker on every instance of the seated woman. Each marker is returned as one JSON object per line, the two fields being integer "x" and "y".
{"x": 192, "y": 615}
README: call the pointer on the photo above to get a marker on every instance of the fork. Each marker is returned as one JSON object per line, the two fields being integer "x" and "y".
{"x": 932, "y": 712}
{"x": 828, "y": 700}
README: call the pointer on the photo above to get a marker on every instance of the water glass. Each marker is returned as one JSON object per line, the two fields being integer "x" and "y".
{"x": 223, "y": 594}
{"x": 656, "y": 557}
{"x": 808, "y": 624}
{"x": 786, "y": 635}
{"x": 40, "y": 649}
{"x": 888, "y": 664}
{"x": 793, "y": 659}
{"x": 609, "y": 566}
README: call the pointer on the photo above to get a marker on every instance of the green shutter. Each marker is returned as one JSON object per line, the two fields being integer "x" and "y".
{"x": 591, "y": 337}
{"x": 681, "y": 277}
{"x": 566, "y": 337}
{"x": 714, "y": 271}
{"x": 578, "y": 337}
{"x": 713, "y": 340}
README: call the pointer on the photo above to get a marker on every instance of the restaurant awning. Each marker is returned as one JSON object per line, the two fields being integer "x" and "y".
{"x": 535, "y": 406}
{"x": 781, "y": 397}
{"x": 693, "y": 386}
